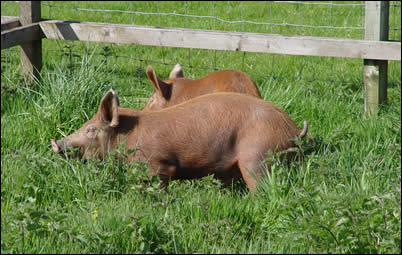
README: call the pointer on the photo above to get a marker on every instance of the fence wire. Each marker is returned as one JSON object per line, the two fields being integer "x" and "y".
{"x": 216, "y": 16}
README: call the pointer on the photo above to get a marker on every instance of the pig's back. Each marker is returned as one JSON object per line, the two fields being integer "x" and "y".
{"x": 234, "y": 81}
{"x": 223, "y": 104}
{"x": 220, "y": 81}
{"x": 209, "y": 124}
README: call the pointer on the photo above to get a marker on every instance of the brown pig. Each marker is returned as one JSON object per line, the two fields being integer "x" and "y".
{"x": 222, "y": 134}
{"x": 177, "y": 89}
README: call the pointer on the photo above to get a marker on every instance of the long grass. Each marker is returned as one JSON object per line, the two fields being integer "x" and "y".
{"x": 344, "y": 196}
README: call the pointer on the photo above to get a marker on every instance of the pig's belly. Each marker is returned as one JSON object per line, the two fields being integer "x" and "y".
{"x": 226, "y": 174}
{"x": 223, "y": 167}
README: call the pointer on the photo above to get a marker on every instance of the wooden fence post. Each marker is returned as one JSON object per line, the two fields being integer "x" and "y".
{"x": 375, "y": 72}
{"x": 31, "y": 52}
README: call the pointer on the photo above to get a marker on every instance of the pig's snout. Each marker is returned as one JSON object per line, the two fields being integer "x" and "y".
{"x": 64, "y": 148}
{"x": 56, "y": 148}
{"x": 60, "y": 146}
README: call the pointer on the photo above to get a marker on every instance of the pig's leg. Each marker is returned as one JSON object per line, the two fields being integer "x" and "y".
{"x": 247, "y": 170}
{"x": 251, "y": 158}
{"x": 252, "y": 169}
{"x": 164, "y": 182}
{"x": 165, "y": 173}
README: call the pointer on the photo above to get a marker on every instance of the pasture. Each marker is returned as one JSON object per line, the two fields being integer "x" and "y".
{"x": 343, "y": 197}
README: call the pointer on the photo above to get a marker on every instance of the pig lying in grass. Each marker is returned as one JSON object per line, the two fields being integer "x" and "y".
{"x": 224, "y": 134}
{"x": 177, "y": 89}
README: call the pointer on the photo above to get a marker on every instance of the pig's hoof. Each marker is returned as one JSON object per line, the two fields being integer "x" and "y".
{"x": 56, "y": 148}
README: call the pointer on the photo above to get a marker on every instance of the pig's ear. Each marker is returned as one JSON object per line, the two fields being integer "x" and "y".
{"x": 161, "y": 87}
{"x": 177, "y": 72}
{"x": 109, "y": 107}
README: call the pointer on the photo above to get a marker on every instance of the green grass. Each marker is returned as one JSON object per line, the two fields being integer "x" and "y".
{"x": 344, "y": 197}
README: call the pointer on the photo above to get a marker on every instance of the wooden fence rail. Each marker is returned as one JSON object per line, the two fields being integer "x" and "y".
{"x": 376, "y": 50}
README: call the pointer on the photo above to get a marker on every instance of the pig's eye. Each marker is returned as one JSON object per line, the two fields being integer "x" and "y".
{"x": 151, "y": 100}
{"x": 91, "y": 131}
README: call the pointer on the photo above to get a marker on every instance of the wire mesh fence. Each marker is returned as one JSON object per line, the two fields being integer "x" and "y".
{"x": 127, "y": 63}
